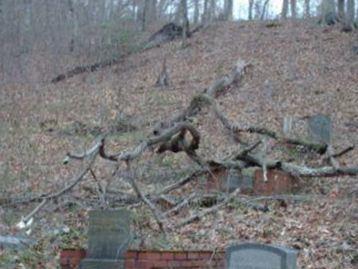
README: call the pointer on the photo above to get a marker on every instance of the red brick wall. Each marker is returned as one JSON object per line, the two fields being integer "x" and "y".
{"x": 70, "y": 259}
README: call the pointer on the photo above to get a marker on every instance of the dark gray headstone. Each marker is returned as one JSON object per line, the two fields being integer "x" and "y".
{"x": 108, "y": 239}
{"x": 236, "y": 179}
{"x": 259, "y": 256}
{"x": 320, "y": 128}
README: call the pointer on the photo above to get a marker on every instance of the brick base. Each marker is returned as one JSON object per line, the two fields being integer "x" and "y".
{"x": 278, "y": 182}
{"x": 70, "y": 259}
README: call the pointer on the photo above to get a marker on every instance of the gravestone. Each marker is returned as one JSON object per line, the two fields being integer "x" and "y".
{"x": 320, "y": 128}
{"x": 235, "y": 179}
{"x": 108, "y": 239}
{"x": 259, "y": 256}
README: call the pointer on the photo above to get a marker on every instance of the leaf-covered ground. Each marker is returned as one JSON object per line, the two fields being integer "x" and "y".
{"x": 299, "y": 70}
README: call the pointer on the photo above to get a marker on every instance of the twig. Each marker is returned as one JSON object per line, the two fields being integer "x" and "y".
{"x": 332, "y": 160}
{"x": 100, "y": 191}
{"x": 264, "y": 165}
{"x": 46, "y": 198}
{"x": 205, "y": 212}
{"x": 88, "y": 152}
{"x": 35, "y": 210}
{"x": 180, "y": 205}
{"x": 182, "y": 182}
{"x": 341, "y": 153}
{"x": 151, "y": 206}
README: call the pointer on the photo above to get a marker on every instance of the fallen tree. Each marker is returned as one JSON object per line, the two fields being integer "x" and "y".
{"x": 179, "y": 135}
{"x": 166, "y": 34}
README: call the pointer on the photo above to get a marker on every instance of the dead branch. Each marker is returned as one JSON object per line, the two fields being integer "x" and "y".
{"x": 180, "y": 205}
{"x": 87, "y": 153}
{"x": 182, "y": 182}
{"x": 297, "y": 170}
{"x": 332, "y": 160}
{"x": 86, "y": 68}
{"x": 143, "y": 146}
{"x": 235, "y": 128}
{"x": 341, "y": 153}
{"x": 156, "y": 213}
{"x": 264, "y": 165}
{"x": 205, "y": 212}
{"x": 178, "y": 142}
{"x": 27, "y": 218}
{"x": 47, "y": 198}
{"x": 213, "y": 91}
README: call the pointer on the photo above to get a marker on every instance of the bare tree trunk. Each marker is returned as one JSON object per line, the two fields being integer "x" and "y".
{"x": 178, "y": 15}
{"x": 196, "y": 11}
{"x": 257, "y": 10}
{"x": 350, "y": 14}
{"x": 185, "y": 20}
{"x": 251, "y": 6}
{"x": 264, "y": 10}
{"x": 212, "y": 9}
{"x": 206, "y": 16}
{"x": 71, "y": 18}
{"x": 161, "y": 8}
{"x": 284, "y": 9}
{"x": 152, "y": 11}
{"x": 293, "y": 9}
{"x": 341, "y": 12}
{"x": 228, "y": 11}
{"x": 327, "y": 12}
{"x": 141, "y": 14}
{"x": 307, "y": 9}
{"x": 351, "y": 10}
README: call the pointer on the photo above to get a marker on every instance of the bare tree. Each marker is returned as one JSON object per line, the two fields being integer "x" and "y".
{"x": 162, "y": 8}
{"x": 209, "y": 11}
{"x": 196, "y": 11}
{"x": 185, "y": 19}
{"x": 212, "y": 9}
{"x": 251, "y": 6}
{"x": 293, "y": 9}
{"x": 284, "y": 10}
{"x": 341, "y": 5}
{"x": 264, "y": 9}
{"x": 206, "y": 13}
{"x": 152, "y": 11}
{"x": 147, "y": 12}
{"x": 307, "y": 9}
{"x": 228, "y": 9}
{"x": 349, "y": 21}
{"x": 327, "y": 11}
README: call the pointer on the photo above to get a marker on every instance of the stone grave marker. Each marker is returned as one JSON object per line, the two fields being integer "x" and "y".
{"x": 320, "y": 129}
{"x": 260, "y": 256}
{"x": 235, "y": 179}
{"x": 108, "y": 239}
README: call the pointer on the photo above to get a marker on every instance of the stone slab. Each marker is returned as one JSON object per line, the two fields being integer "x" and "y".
{"x": 260, "y": 256}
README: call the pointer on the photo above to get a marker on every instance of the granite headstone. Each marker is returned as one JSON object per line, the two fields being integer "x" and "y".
{"x": 320, "y": 128}
{"x": 108, "y": 239}
{"x": 259, "y": 256}
{"x": 235, "y": 179}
